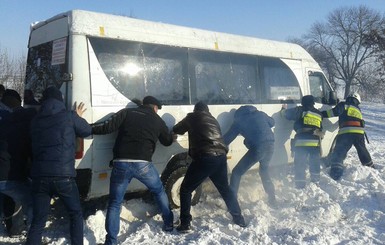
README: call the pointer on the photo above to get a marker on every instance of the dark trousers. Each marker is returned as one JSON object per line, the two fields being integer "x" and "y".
{"x": 306, "y": 156}
{"x": 214, "y": 167}
{"x": 343, "y": 144}
{"x": 43, "y": 189}
{"x": 262, "y": 154}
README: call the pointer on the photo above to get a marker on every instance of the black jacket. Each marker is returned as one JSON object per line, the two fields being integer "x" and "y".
{"x": 204, "y": 133}
{"x": 5, "y": 160}
{"x": 139, "y": 129}
{"x": 53, "y": 132}
{"x": 14, "y": 129}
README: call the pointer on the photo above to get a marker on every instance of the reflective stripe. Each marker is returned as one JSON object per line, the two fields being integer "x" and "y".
{"x": 330, "y": 113}
{"x": 352, "y": 130}
{"x": 353, "y": 111}
{"x": 306, "y": 142}
{"x": 351, "y": 123}
{"x": 312, "y": 119}
{"x": 337, "y": 165}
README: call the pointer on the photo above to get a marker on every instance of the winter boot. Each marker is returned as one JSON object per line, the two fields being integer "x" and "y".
{"x": 239, "y": 220}
{"x": 336, "y": 171}
{"x": 184, "y": 228}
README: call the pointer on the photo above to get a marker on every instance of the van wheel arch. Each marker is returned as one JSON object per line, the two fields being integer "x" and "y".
{"x": 172, "y": 186}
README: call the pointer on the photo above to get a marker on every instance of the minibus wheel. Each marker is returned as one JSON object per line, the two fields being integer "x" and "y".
{"x": 172, "y": 186}
{"x": 13, "y": 217}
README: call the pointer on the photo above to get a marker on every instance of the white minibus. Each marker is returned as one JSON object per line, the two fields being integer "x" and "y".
{"x": 108, "y": 61}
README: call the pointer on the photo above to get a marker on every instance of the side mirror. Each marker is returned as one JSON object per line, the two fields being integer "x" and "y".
{"x": 333, "y": 100}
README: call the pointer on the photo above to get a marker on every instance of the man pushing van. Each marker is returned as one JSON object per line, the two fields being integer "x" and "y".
{"x": 138, "y": 131}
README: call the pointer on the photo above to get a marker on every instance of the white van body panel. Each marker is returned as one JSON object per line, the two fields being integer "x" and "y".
{"x": 90, "y": 84}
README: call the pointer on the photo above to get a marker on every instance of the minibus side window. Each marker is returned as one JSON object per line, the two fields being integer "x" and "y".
{"x": 279, "y": 82}
{"x": 139, "y": 69}
{"x": 223, "y": 78}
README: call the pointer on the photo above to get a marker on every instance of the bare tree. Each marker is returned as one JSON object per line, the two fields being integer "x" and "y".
{"x": 12, "y": 71}
{"x": 376, "y": 40}
{"x": 19, "y": 74}
{"x": 6, "y": 67}
{"x": 340, "y": 43}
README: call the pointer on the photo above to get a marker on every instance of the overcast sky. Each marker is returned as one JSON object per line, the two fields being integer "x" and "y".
{"x": 270, "y": 19}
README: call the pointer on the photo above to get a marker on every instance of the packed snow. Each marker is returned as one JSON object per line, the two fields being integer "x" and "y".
{"x": 350, "y": 211}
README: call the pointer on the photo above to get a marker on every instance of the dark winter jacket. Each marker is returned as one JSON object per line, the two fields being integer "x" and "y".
{"x": 255, "y": 126}
{"x": 349, "y": 117}
{"x": 139, "y": 129}
{"x": 54, "y": 131}
{"x": 204, "y": 134}
{"x": 15, "y": 129}
{"x": 5, "y": 158}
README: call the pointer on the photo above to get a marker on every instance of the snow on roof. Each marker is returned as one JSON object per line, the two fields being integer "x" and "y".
{"x": 126, "y": 28}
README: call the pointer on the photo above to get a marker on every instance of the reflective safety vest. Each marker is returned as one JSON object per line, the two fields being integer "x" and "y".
{"x": 310, "y": 122}
{"x": 311, "y": 119}
{"x": 351, "y": 121}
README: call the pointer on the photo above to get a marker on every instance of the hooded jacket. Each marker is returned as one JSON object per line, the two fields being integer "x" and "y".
{"x": 204, "y": 133}
{"x": 53, "y": 133}
{"x": 255, "y": 126}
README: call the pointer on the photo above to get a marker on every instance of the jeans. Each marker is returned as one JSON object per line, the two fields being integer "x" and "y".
{"x": 214, "y": 167}
{"x": 343, "y": 144}
{"x": 20, "y": 192}
{"x": 43, "y": 189}
{"x": 306, "y": 155}
{"x": 262, "y": 154}
{"x": 121, "y": 176}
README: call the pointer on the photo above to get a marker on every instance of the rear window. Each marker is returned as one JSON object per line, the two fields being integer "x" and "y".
{"x": 46, "y": 66}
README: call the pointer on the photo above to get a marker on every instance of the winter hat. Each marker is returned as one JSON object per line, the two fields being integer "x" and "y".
{"x": 150, "y": 100}
{"x": 12, "y": 93}
{"x": 307, "y": 100}
{"x": 201, "y": 106}
{"x": 11, "y": 98}
{"x": 52, "y": 92}
{"x": 2, "y": 90}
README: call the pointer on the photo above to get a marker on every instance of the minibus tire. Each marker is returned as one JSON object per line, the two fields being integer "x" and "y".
{"x": 172, "y": 186}
{"x": 13, "y": 217}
